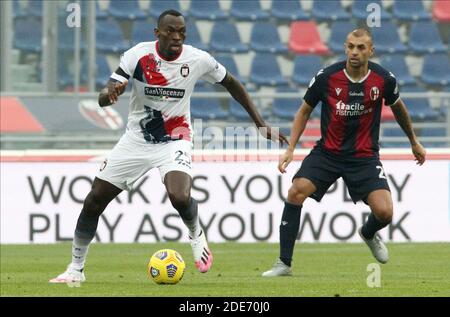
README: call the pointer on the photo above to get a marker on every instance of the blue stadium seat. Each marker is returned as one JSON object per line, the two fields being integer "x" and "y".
{"x": 128, "y": 10}
{"x": 35, "y": 8}
{"x": 265, "y": 71}
{"x": 386, "y": 39}
{"x": 339, "y": 32}
{"x": 207, "y": 108}
{"x": 103, "y": 72}
{"x": 359, "y": 9}
{"x": 265, "y": 38}
{"x": 285, "y": 108}
{"x": 329, "y": 10}
{"x": 436, "y": 69}
{"x": 28, "y": 34}
{"x": 305, "y": 68}
{"x": 66, "y": 37}
{"x": 410, "y": 10}
{"x": 159, "y": 6}
{"x": 228, "y": 62}
{"x": 207, "y": 10}
{"x": 394, "y": 132}
{"x": 420, "y": 109}
{"x": 18, "y": 10}
{"x": 433, "y": 132}
{"x": 397, "y": 65}
{"x": 193, "y": 36}
{"x": 424, "y": 38}
{"x": 110, "y": 37}
{"x": 225, "y": 38}
{"x": 288, "y": 10}
{"x": 142, "y": 31}
{"x": 249, "y": 10}
{"x": 238, "y": 112}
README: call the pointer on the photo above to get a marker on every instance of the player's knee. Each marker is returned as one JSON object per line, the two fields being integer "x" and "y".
{"x": 296, "y": 195}
{"x": 180, "y": 200}
{"x": 384, "y": 215}
{"x": 94, "y": 204}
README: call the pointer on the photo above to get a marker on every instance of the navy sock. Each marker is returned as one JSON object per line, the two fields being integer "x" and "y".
{"x": 86, "y": 226}
{"x": 290, "y": 224}
{"x": 372, "y": 226}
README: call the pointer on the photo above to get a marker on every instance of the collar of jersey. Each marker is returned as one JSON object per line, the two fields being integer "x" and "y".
{"x": 168, "y": 60}
{"x": 354, "y": 81}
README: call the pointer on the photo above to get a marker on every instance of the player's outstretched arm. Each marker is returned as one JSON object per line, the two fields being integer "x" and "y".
{"x": 403, "y": 119}
{"x": 298, "y": 126}
{"x": 238, "y": 92}
{"x": 114, "y": 88}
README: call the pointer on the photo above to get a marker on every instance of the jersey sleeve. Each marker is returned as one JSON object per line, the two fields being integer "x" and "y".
{"x": 391, "y": 90}
{"x": 313, "y": 93}
{"x": 127, "y": 63}
{"x": 214, "y": 72}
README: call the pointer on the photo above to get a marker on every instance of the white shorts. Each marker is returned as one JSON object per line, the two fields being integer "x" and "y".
{"x": 130, "y": 159}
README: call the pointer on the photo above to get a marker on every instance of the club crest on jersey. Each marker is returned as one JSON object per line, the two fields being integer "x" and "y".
{"x": 184, "y": 71}
{"x": 374, "y": 93}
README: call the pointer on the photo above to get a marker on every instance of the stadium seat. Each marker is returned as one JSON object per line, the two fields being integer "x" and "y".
{"x": 230, "y": 65}
{"x": 103, "y": 71}
{"x": 436, "y": 69}
{"x": 28, "y": 35}
{"x": 238, "y": 112}
{"x": 420, "y": 109}
{"x": 35, "y": 8}
{"x": 265, "y": 71}
{"x": 312, "y": 130}
{"x": 225, "y": 38}
{"x": 305, "y": 39}
{"x": 159, "y": 6}
{"x": 394, "y": 132}
{"x": 265, "y": 38}
{"x": 359, "y": 9}
{"x": 433, "y": 132}
{"x": 249, "y": 10}
{"x": 339, "y": 32}
{"x": 386, "y": 113}
{"x": 424, "y": 38}
{"x": 410, "y": 10}
{"x": 397, "y": 65}
{"x": 329, "y": 10}
{"x": 288, "y": 10}
{"x": 386, "y": 39}
{"x": 142, "y": 31}
{"x": 305, "y": 68}
{"x": 207, "y": 10}
{"x": 128, "y": 10}
{"x": 207, "y": 109}
{"x": 193, "y": 36}
{"x": 441, "y": 11}
{"x": 285, "y": 108}
{"x": 110, "y": 37}
{"x": 18, "y": 10}
{"x": 66, "y": 37}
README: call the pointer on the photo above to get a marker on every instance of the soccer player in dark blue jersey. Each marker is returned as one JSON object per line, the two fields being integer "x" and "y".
{"x": 351, "y": 93}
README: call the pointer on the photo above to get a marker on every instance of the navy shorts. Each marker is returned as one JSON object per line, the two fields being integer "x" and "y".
{"x": 361, "y": 176}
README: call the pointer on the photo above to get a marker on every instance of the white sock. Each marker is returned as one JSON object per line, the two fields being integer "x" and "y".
{"x": 79, "y": 253}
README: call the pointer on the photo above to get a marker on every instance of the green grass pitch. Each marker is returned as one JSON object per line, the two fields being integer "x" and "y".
{"x": 415, "y": 269}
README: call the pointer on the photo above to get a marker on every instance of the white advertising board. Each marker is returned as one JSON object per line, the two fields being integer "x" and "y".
{"x": 242, "y": 202}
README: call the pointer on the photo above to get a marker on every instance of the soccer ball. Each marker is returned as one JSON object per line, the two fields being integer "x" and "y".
{"x": 166, "y": 266}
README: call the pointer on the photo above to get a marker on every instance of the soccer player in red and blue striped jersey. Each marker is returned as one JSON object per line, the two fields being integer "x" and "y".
{"x": 352, "y": 94}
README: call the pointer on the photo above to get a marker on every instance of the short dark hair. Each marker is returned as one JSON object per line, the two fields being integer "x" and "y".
{"x": 361, "y": 32}
{"x": 169, "y": 12}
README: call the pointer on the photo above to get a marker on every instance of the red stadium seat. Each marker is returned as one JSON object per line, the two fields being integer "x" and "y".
{"x": 305, "y": 39}
{"x": 441, "y": 11}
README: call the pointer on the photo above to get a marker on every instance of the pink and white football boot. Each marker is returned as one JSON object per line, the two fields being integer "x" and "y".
{"x": 202, "y": 254}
